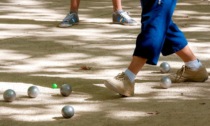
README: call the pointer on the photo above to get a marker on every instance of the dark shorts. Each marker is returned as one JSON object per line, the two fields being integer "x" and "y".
{"x": 159, "y": 34}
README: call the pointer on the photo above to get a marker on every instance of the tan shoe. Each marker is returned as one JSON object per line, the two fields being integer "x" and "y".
{"x": 185, "y": 74}
{"x": 121, "y": 84}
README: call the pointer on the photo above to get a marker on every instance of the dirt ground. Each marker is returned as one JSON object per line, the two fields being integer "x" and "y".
{"x": 34, "y": 51}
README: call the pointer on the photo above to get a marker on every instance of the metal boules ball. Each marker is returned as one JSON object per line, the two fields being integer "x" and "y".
{"x": 67, "y": 111}
{"x": 65, "y": 90}
{"x": 9, "y": 95}
{"x": 165, "y": 67}
{"x": 165, "y": 82}
{"x": 33, "y": 91}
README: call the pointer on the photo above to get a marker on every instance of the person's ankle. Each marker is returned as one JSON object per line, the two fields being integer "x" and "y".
{"x": 194, "y": 64}
{"x": 119, "y": 11}
{"x": 73, "y": 11}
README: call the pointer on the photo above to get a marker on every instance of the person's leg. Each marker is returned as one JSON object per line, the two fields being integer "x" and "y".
{"x": 136, "y": 64}
{"x": 74, "y": 7}
{"x": 119, "y": 16}
{"x": 155, "y": 21}
{"x": 192, "y": 71}
{"x": 72, "y": 17}
{"x": 189, "y": 58}
{"x": 117, "y": 5}
{"x": 176, "y": 42}
{"x": 159, "y": 34}
{"x": 186, "y": 54}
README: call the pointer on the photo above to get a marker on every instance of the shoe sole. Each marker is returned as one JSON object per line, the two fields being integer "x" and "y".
{"x": 67, "y": 26}
{"x": 202, "y": 80}
{"x": 191, "y": 81}
{"x": 127, "y": 24}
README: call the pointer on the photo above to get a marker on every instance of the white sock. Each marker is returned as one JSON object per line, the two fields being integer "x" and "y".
{"x": 194, "y": 65}
{"x": 130, "y": 75}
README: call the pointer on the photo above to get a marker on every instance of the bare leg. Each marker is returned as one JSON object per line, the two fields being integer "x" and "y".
{"x": 186, "y": 54}
{"x": 122, "y": 83}
{"x": 116, "y": 5}
{"x": 74, "y": 5}
{"x": 136, "y": 64}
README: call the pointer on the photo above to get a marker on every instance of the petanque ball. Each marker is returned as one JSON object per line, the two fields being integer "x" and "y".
{"x": 65, "y": 90}
{"x": 67, "y": 111}
{"x": 165, "y": 82}
{"x": 165, "y": 67}
{"x": 9, "y": 95}
{"x": 33, "y": 91}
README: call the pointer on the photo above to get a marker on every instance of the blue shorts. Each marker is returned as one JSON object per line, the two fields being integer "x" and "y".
{"x": 159, "y": 34}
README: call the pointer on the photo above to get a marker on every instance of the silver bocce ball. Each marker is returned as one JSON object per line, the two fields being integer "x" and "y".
{"x": 33, "y": 91}
{"x": 67, "y": 111}
{"x": 65, "y": 90}
{"x": 9, "y": 95}
{"x": 165, "y": 67}
{"x": 165, "y": 82}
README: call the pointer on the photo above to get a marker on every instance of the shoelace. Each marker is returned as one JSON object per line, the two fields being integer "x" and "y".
{"x": 180, "y": 72}
{"x": 120, "y": 76}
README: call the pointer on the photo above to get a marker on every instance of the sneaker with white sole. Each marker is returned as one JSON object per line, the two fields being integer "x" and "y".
{"x": 123, "y": 18}
{"x": 185, "y": 74}
{"x": 121, "y": 84}
{"x": 70, "y": 20}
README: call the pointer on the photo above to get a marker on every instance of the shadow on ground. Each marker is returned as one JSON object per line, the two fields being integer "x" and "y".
{"x": 34, "y": 51}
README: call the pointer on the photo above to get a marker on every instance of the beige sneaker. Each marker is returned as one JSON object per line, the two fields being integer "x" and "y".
{"x": 185, "y": 74}
{"x": 121, "y": 84}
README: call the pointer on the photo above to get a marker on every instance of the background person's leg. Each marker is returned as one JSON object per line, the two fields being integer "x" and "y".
{"x": 117, "y": 5}
{"x": 119, "y": 16}
{"x": 72, "y": 17}
{"x": 74, "y": 6}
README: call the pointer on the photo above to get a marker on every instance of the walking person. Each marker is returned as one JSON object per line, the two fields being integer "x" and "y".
{"x": 159, "y": 34}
